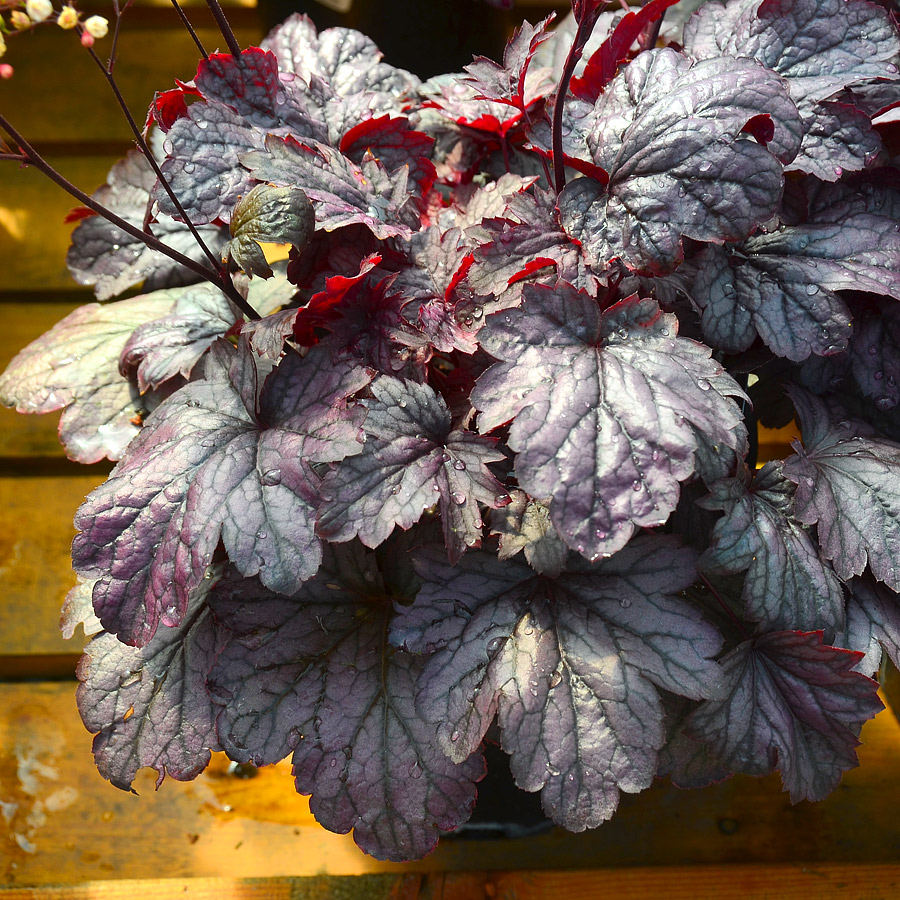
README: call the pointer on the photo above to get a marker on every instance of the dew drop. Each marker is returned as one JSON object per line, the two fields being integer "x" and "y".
{"x": 625, "y": 603}
{"x": 459, "y": 465}
{"x": 555, "y": 679}
{"x": 169, "y": 147}
{"x": 636, "y": 484}
{"x": 189, "y": 168}
{"x": 201, "y": 125}
{"x": 478, "y": 312}
{"x": 361, "y": 436}
{"x": 454, "y": 736}
{"x": 271, "y": 477}
{"x": 415, "y": 771}
{"x": 703, "y": 384}
{"x": 494, "y": 645}
{"x": 502, "y": 500}
{"x": 878, "y": 375}
{"x": 600, "y": 535}
{"x": 873, "y": 350}
{"x": 838, "y": 170}
{"x": 654, "y": 455}
{"x": 459, "y": 498}
{"x": 446, "y": 457}
{"x": 812, "y": 289}
{"x": 333, "y": 762}
{"x": 436, "y": 487}
{"x": 262, "y": 535}
{"x": 401, "y": 404}
{"x": 884, "y": 403}
{"x": 395, "y": 489}
{"x": 552, "y": 770}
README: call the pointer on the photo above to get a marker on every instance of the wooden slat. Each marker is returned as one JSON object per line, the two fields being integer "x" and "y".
{"x": 820, "y": 882}
{"x": 35, "y": 572}
{"x": 222, "y": 826}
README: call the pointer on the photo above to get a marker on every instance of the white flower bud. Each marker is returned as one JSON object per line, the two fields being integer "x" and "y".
{"x": 38, "y": 10}
{"x": 96, "y": 26}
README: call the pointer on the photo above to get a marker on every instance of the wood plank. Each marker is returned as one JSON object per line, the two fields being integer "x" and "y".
{"x": 821, "y": 882}
{"x": 35, "y": 536}
{"x": 67, "y": 826}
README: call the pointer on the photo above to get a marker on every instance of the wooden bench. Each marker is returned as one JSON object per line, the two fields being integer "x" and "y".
{"x": 69, "y": 834}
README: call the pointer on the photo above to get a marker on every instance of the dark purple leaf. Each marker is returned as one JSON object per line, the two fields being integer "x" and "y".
{"x": 411, "y": 461}
{"x": 788, "y": 585}
{"x": 225, "y": 458}
{"x": 529, "y": 237}
{"x": 873, "y": 622}
{"x": 506, "y": 83}
{"x": 820, "y": 46}
{"x": 525, "y": 525}
{"x": 847, "y": 486}
{"x": 267, "y": 214}
{"x": 249, "y": 85}
{"x": 203, "y": 163}
{"x": 342, "y": 192}
{"x": 349, "y": 61}
{"x": 149, "y": 705}
{"x": 788, "y": 702}
{"x": 171, "y": 345}
{"x": 76, "y": 365}
{"x": 690, "y": 764}
{"x": 838, "y": 138}
{"x": 607, "y": 409}
{"x": 106, "y": 257}
{"x": 473, "y": 203}
{"x": 875, "y": 354}
{"x": 667, "y": 132}
{"x": 569, "y": 665}
{"x": 782, "y": 284}
{"x": 315, "y": 673}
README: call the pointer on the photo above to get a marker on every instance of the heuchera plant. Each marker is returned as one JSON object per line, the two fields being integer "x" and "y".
{"x": 477, "y": 461}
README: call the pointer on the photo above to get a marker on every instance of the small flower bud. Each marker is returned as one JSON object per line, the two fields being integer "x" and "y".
{"x": 6, "y": 71}
{"x": 38, "y": 10}
{"x": 87, "y": 40}
{"x": 67, "y": 18}
{"x": 96, "y": 26}
{"x": 19, "y": 20}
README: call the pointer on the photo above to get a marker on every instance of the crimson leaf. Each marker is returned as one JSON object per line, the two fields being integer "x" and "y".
{"x": 315, "y": 673}
{"x": 227, "y": 457}
{"x": 570, "y": 665}
{"x": 667, "y": 133}
{"x": 847, "y": 486}
{"x": 788, "y": 702}
{"x": 411, "y": 460}
{"x": 149, "y": 705}
{"x": 609, "y": 409}
{"x": 787, "y": 585}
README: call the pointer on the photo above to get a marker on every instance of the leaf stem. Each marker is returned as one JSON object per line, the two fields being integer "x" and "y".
{"x": 724, "y": 605}
{"x": 217, "y": 277}
{"x": 190, "y": 29}
{"x": 586, "y": 14}
{"x": 225, "y": 28}
{"x": 148, "y": 155}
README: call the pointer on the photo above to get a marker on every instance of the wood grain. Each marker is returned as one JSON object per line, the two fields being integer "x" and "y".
{"x": 821, "y": 882}
{"x": 68, "y": 826}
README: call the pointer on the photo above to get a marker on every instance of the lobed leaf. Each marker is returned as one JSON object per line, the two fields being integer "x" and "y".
{"x": 606, "y": 409}
{"x": 788, "y": 702}
{"x": 316, "y": 674}
{"x": 569, "y": 665}
{"x": 228, "y": 458}
{"x": 149, "y": 705}
{"x": 788, "y": 585}
{"x": 411, "y": 460}
{"x": 848, "y": 486}
{"x": 668, "y": 132}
